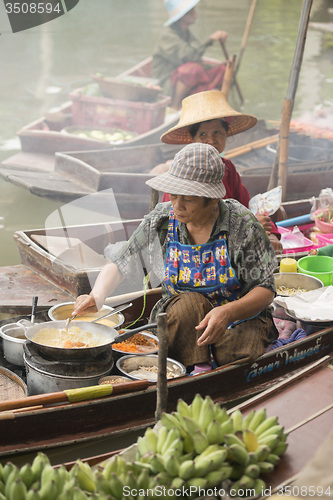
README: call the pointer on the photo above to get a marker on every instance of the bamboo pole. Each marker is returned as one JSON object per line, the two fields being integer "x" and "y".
{"x": 162, "y": 386}
{"x": 74, "y": 395}
{"x": 251, "y": 146}
{"x": 288, "y": 104}
{"x": 228, "y": 76}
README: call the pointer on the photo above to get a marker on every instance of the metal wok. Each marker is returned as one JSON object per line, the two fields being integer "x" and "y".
{"x": 111, "y": 336}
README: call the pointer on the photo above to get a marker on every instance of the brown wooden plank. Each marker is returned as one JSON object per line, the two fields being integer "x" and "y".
{"x": 18, "y": 284}
{"x": 303, "y": 444}
{"x": 29, "y": 161}
{"x": 305, "y": 410}
{"x": 300, "y": 400}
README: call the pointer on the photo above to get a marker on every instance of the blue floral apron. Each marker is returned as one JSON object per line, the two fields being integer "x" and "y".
{"x": 199, "y": 268}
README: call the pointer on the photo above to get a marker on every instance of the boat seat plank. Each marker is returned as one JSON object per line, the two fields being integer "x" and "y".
{"x": 72, "y": 251}
{"x": 18, "y": 284}
{"x": 30, "y": 161}
{"x": 46, "y": 183}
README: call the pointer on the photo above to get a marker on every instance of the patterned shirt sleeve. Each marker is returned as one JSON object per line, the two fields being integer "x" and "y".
{"x": 146, "y": 247}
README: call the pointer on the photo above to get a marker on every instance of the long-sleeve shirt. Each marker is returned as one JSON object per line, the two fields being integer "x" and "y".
{"x": 174, "y": 48}
{"x": 251, "y": 254}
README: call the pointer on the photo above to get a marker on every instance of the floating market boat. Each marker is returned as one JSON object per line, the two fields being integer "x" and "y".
{"x": 304, "y": 408}
{"x": 76, "y": 429}
{"x": 69, "y": 260}
{"x": 141, "y": 114}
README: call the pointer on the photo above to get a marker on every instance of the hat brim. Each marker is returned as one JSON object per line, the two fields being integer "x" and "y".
{"x": 168, "y": 183}
{"x": 180, "y": 134}
{"x": 182, "y": 13}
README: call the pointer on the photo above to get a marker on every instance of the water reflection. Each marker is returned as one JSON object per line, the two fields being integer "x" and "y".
{"x": 43, "y": 65}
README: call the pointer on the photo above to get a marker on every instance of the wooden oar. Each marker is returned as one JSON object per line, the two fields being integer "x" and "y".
{"x": 245, "y": 35}
{"x": 228, "y": 76}
{"x": 281, "y": 159}
{"x": 234, "y": 80}
{"x": 75, "y": 395}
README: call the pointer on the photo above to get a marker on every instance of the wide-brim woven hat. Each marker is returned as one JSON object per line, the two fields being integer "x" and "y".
{"x": 196, "y": 170}
{"x": 204, "y": 106}
{"x": 178, "y": 8}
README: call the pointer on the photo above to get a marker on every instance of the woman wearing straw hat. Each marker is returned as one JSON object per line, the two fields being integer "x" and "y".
{"x": 208, "y": 117}
{"x": 177, "y": 58}
{"x": 213, "y": 259}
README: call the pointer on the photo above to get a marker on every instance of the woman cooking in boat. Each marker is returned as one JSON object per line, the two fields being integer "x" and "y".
{"x": 213, "y": 258}
{"x": 177, "y": 58}
{"x": 207, "y": 117}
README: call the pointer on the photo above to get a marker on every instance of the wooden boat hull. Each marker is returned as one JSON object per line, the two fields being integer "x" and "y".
{"x": 125, "y": 170}
{"x": 73, "y": 269}
{"x": 42, "y": 138}
{"x": 52, "y": 427}
{"x": 303, "y": 405}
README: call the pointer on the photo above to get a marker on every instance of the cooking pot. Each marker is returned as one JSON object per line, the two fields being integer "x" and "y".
{"x": 111, "y": 335}
{"x": 64, "y": 311}
{"x": 13, "y": 340}
{"x": 45, "y": 375}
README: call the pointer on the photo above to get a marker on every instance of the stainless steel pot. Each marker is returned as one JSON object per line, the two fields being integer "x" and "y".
{"x": 13, "y": 340}
{"x": 109, "y": 333}
{"x": 48, "y": 377}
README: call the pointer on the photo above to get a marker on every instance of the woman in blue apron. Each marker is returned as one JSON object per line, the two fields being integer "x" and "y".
{"x": 214, "y": 260}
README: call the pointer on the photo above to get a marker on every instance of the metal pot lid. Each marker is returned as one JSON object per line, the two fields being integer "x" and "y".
{"x": 68, "y": 367}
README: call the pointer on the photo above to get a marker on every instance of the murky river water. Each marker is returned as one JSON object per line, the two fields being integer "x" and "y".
{"x": 40, "y": 66}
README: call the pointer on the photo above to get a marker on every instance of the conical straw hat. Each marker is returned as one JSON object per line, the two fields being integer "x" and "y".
{"x": 203, "y": 106}
{"x": 178, "y": 8}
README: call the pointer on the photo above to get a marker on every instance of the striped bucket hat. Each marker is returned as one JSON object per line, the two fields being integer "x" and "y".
{"x": 196, "y": 170}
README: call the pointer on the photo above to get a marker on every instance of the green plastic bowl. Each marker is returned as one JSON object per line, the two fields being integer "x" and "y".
{"x": 319, "y": 266}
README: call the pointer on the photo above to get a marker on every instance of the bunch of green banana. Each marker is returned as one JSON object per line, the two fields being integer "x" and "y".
{"x": 187, "y": 449}
{"x": 41, "y": 481}
{"x": 117, "y": 478}
{"x": 254, "y": 448}
{"x": 200, "y": 424}
{"x": 199, "y": 445}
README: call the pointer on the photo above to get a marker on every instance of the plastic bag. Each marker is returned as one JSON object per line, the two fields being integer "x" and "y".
{"x": 322, "y": 208}
{"x": 293, "y": 239}
{"x": 266, "y": 203}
